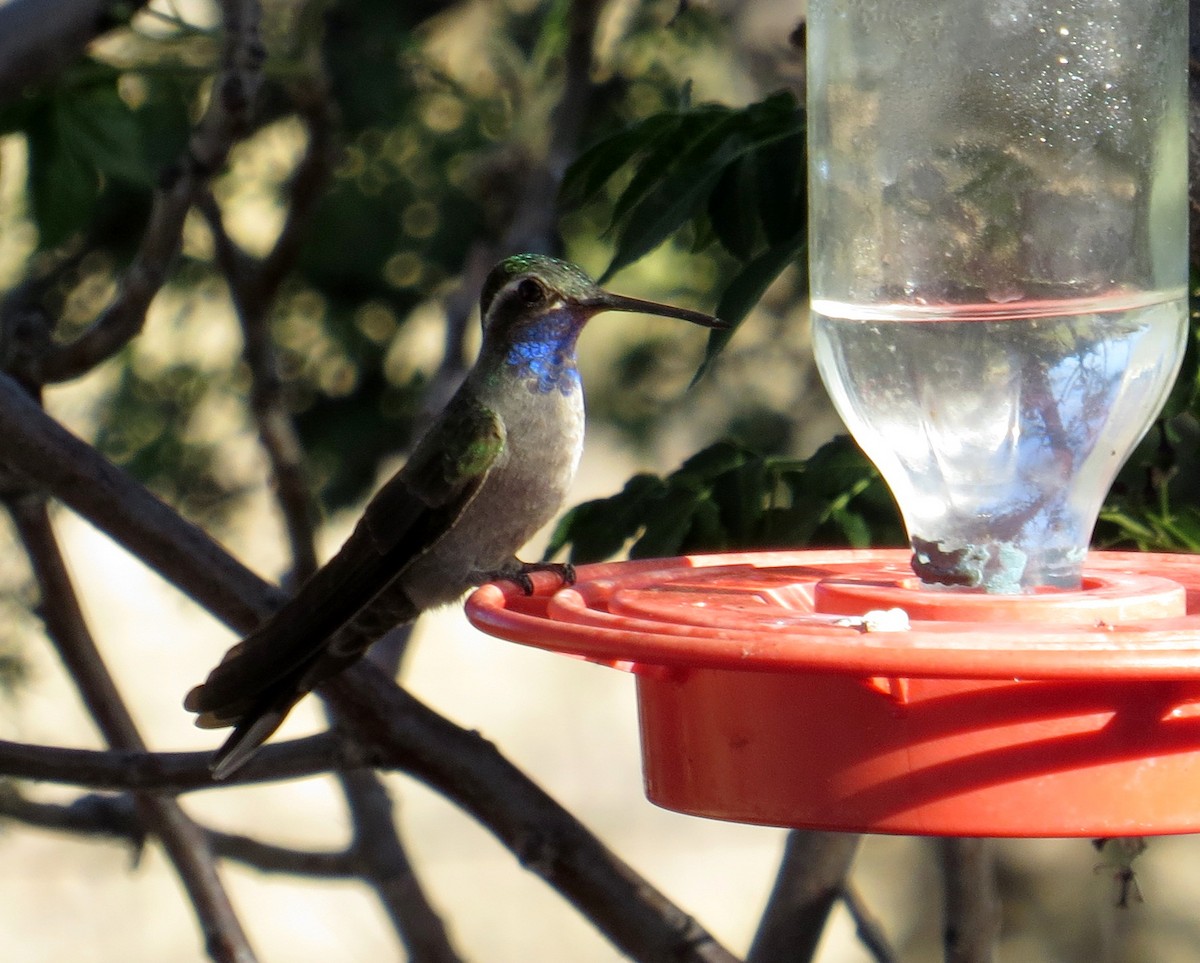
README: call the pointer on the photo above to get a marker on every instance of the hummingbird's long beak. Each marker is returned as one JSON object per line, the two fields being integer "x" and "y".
{"x": 605, "y": 301}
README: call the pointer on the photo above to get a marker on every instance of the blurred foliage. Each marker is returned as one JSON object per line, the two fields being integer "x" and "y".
{"x": 728, "y": 496}
{"x": 1154, "y": 504}
{"x": 84, "y": 142}
{"x": 440, "y": 108}
{"x": 730, "y": 174}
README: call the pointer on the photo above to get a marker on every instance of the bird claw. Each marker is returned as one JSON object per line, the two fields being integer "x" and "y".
{"x": 564, "y": 570}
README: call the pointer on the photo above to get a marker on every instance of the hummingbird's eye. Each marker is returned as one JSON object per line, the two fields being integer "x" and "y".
{"x": 531, "y": 292}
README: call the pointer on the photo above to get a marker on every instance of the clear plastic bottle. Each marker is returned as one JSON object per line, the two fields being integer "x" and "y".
{"x": 998, "y": 222}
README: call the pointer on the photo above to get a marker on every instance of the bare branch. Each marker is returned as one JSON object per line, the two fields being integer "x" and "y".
{"x": 51, "y": 458}
{"x": 536, "y": 210}
{"x": 377, "y": 851}
{"x": 226, "y": 119}
{"x": 253, "y": 286}
{"x": 380, "y": 857}
{"x": 169, "y": 773}
{"x": 38, "y": 38}
{"x": 469, "y": 770}
{"x": 389, "y": 725}
{"x": 543, "y": 835}
{"x": 972, "y": 920}
{"x": 116, "y": 817}
{"x": 308, "y": 182}
{"x": 546, "y": 838}
{"x": 276, "y": 431}
{"x": 532, "y": 225}
{"x": 410, "y": 737}
{"x": 186, "y": 845}
{"x": 811, "y": 878}
{"x": 870, "y": 933}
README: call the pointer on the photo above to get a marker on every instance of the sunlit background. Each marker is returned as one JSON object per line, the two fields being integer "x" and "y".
{"x": 437, "y": 121}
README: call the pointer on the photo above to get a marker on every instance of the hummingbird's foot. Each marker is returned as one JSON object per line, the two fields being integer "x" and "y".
{"x": 521, "y": 572}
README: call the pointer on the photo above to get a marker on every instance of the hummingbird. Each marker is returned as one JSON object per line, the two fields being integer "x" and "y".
{"x": 491, "y": 469}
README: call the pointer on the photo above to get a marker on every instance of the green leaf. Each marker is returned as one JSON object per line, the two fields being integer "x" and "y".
{"x": 733, "y": 209}
{"x": 741, "y": 494}
{"x": 854, "y": 527}
{"x": 711, "y": 462}
{"x": 782, "y": 188}
{"x": 708, "y": 531}
{"x": 596, "y": 166}
{"x": 727, "y": 496}
{"x": 666, "y": 155}
{"x": 747, "y": 289}
{"x": 695, "y": 165}
{"x": 600, "y": 528}
{"x": 679, "y": 187}
{"x": 105, "y": 132}
{"x": 63, "y": 187}
{"x": 80, "y": 136}
{"x": 667, "y": 529}
{"x": 836, "y": 467}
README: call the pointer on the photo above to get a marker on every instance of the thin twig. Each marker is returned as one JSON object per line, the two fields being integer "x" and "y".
{"x": 811, "y": 877}
{"x": 380, "y": 857}
{"x": 170, "y": 773}
{"x": 395, "y": 731}
{"x": 276, "y": 431}
{"x": 870, "y": 932}
{"x": 972, "y": 907}
{"x": 186, "y": 845}
{"x": 51, "y": 458}
{"x": 630, "y": 912}
{"x": 116, "y": 817}
{"x": 226, "y": 119}
{"x": 253, "y": 284}
{"x": 546, "y": 838}
{"x": 536, "y": 210}
{"x": 534, "y": 206}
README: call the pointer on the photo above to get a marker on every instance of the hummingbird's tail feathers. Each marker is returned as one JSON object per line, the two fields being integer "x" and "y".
{"x": 255, "y": 698}
{"x": 247, "y": 736}
{"x": 258, "y": 711}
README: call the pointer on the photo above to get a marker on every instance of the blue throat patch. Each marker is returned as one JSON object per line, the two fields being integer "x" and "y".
{"x": 546, "y": 357}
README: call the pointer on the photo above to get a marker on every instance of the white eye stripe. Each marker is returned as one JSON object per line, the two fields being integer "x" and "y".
{"x": 553, "y": 298}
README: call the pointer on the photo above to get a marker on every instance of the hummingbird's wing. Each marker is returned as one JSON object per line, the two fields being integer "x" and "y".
{"x": 273, "y": 666}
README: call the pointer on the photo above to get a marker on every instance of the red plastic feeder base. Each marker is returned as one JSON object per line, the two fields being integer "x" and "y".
{"x": 776, "y": 688}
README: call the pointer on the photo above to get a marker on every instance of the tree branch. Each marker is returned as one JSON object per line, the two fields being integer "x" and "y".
{"x": 170, "y": 773}
{"x": 276, "y": 432}
{"x": 545, "y": 838}
{"x": 390, "y": 726}
{"x": 186, "y": 845}
{"x": 225, "y": 120}
{"x": 534, "y": 199}
{"x": 811, "y": 877}
{"x": 536, "y": 210}
{"x": 42, "y": 452}
{"x": 410, "y": 737}
{"x": 254, "y": 284}
{"x": 870, "y": 933}
{"x": 116, "y": 817}
{"x": 972, "y": 908}
{"x": 380, "y": 857}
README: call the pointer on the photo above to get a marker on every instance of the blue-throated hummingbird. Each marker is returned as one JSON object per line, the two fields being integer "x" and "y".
{"x": 490, "y": 471}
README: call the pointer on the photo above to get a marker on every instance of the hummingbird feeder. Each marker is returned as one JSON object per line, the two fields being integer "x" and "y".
{"x": 998, "y": 269}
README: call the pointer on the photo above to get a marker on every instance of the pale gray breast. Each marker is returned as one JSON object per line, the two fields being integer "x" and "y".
{"x": 523, "y": 491}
